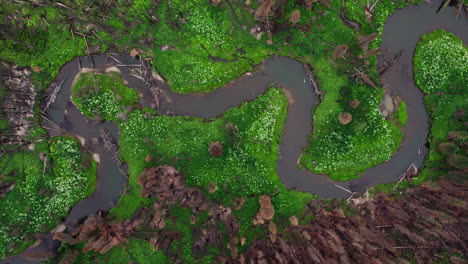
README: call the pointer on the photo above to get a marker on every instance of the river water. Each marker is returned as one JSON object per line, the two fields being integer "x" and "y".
{"x": 402, "y": 32}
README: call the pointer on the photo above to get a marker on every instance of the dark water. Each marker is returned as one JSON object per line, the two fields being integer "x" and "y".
{"x": 401, "y": 33}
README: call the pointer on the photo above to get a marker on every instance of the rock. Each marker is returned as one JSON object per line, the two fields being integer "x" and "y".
{"x": 96, "y": 157}
{"x": 59, "y": 229}
{"x": 345, "y": 118}
{"x": 387, "y": 106}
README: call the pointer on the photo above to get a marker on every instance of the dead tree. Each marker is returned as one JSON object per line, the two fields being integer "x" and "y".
{"x": 312, "y": 79}
{"x": 383, "y": 66}
{"x": 50, "y": 99}
{"x": 109, "y": 145}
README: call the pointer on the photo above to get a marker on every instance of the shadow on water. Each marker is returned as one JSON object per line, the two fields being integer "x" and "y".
{"x": 402, "y": 32}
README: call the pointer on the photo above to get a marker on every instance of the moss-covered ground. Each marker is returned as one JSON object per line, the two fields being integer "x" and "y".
{"x": 249, "y": 134}
{"x": 103, "y": 96}
{"x": 342, "y": 151}
{"x": 45, "y": 189}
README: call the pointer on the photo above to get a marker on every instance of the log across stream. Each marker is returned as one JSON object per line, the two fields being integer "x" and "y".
{"x": 402, "y": 32}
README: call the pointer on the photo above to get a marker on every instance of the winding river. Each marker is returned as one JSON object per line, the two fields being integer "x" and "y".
{"x": 402, "y": 32}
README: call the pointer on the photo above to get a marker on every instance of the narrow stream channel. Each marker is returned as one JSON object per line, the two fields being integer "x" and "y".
{"x": 402, "y": 32}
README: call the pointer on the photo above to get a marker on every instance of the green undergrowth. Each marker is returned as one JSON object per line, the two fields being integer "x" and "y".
{"x": 46, "y": 47}
{"x": 103, "y": 96}
{"x": 45, "y": 189}
{"x": 249, "y": 134}
{"x": 345, "y": 151}
{"x": 341, "y": 151}
{"x": 198, "y": 46}
{"x": 441, "y": 71}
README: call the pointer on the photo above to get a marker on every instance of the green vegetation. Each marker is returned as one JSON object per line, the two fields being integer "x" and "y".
{"x": 103, "y": 96}
{"x": 45, "y": 189}
{"x": 198, "y": 46}
{"x": 342, "y": 151}
{"x": 201, "y": 47}
{"x": 249, "y": 134}
{"x": 402, "y": 114}
{"x": 441, "y": 71}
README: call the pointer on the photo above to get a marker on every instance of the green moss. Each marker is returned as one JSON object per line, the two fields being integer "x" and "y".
{"x": 342, "y": 152}
{"x": 441, "y": 63}
{"x": 103, "y": 96}
{"x": 441, "y": 71}
{"x": 201, "y": 47}
{"x": 44, "y": 190}
{"x": 249, "y": 134}
{"x": 345, "y": 151}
